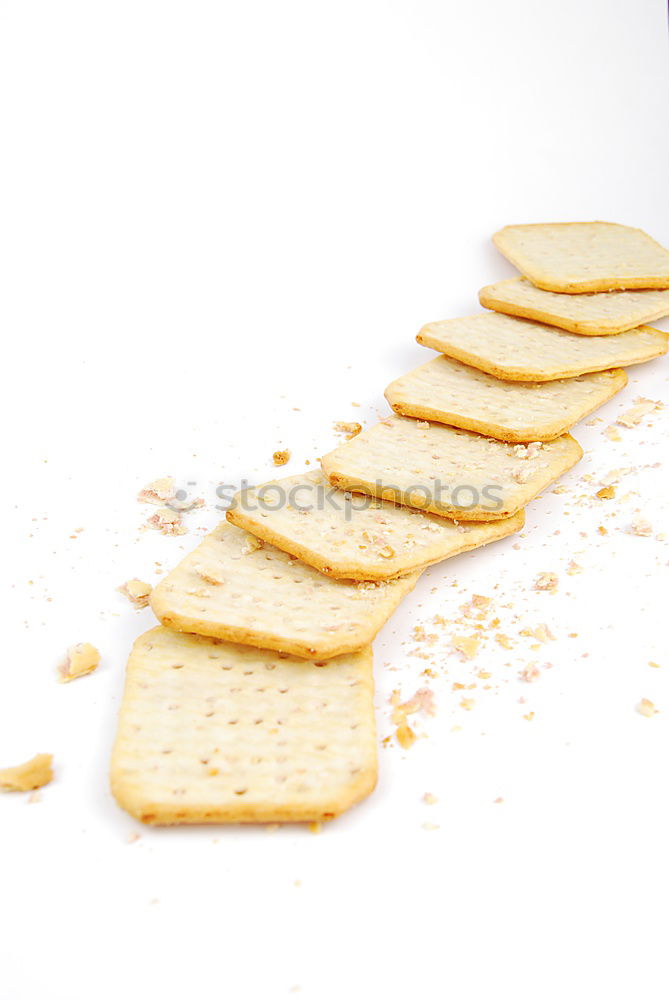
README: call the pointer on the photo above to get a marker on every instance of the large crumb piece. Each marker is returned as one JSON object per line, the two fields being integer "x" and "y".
{"x": 635, "y": 415}
{"x": 27, "y": 777}
{"x": 350, "y": 430}
{"x": 158, "y": 492}
{"x": 546, "y": 581}
{"x": 612, "y": 433}
{"x": 136, "y": 591}
{"x": 281, "y": 457}
{"x": 166, "y": 521}
{"x": 647, "y": 708}
{"x": 80, "y": 660}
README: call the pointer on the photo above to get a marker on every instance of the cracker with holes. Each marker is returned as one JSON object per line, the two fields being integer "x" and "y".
{"x": 449, "y": 392}
{"x": 214, "y": 732}
{"x": 235, "y": 587}
{"x": 593, "y": 314}
{"x": 448, "y": 471}
{"x": 521, "y": 350}
{"x": 349, "y": 536}
{"x": 585, "y": 256}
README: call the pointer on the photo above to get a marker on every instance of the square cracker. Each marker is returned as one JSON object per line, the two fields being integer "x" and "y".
{"x": 447, "y": 471}
{"x": 593, "y": 314}
{"x": 355, "y": 537}
{"x": 585, "y": 256}
{"x": 452, "y": 393}
{"x": 520, "y": 350}
{"x": 238, "y": 588}
{"x": 213, "y": 732}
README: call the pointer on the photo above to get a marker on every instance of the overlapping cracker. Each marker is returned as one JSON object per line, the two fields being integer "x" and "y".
{"x": 235, "y": 587}
{"x": 447, "y": 471}
{"x": 520, "y": 350}
{"x": 592, "y": 314}
{"x": 452, "y": 393}
{"x": 214, "y": 732}
{"x": 355, "y": 537}
{"x": 585, "y": 256}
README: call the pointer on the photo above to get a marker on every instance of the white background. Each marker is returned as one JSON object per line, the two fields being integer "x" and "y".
{"x": 212, "y": 213}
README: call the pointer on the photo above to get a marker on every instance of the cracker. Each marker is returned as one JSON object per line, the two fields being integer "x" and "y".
{"x": 593, "y": 314}
{"x": 79, "y": 661}
{"x": 214, "y": 732}
{"x": 520, "y": 350}
{"x": 268, "y": 598}
{"x": 452, "y": 393}
{"x": 355, "y": 537}
{"x": 585, "y": 256}
{"x": 447, "y": 471}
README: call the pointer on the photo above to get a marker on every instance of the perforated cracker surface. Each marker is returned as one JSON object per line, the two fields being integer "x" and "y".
{"x": 213, "y": 732}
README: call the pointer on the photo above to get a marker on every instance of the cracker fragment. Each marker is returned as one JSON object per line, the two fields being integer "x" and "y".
{"x": 521, "y": 350}
{"x": 447, "y": 471}
{"x": 79, "y": 660}
{"x": 353, "y": 537}
{"x": 585, "y": 256}
{"x": 641, "y": 409}
{"x": 270, "y": 599}
{"x": 167, "y": 521}
{"x": 213, "y": 732}
{"x": 281, "y": 457}
{"x": 593, "y": 314}
{"x": 158, "y": 492}
{"x": 26, "y": 777}
{"x": 349, "y": 430}
{"x": 447, "y": 391}
{"x": 137, "y": 592}
{"x": 646, "y": 707}
{"x": 546, "y": 581}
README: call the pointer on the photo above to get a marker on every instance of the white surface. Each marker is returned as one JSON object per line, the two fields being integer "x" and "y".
{"x": 212, "y": 213}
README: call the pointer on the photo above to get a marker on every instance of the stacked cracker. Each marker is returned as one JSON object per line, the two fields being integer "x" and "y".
{"x": 254, "y": 699}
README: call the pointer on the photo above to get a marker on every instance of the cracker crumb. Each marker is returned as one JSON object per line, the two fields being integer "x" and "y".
{"x": 251, "y": 544}
{"x": 79, "y": 660}
{"x": 636, "y": 414}
{"x": 430, "y": 826}
{"x": 405, "y": 735}
{"x": 281, "y": 457}
{"x": 651, "y": 663}
{"x": 612, "y": 433}
{"x": 640, "y": 526}
{"x": 529, "y": 716}
{"x": 26, "y": 777}
{"x": 429, "y": 799}
{"x": 498, "y": 801}
{"x": 137, "y": 592}
{"x": 606, "y": 493}
{"x": 530, "y": 673}
{"x": 546, "y": 581}
{"x": 646, "y": 707}
{"x": 503, "y": 640}
{"x": 468, "y": 645}
{"x": 351, "y": 429}
{"x": 573, "y": 568}
{"x": 209, "y": 575}
{"x": 167, "y": 521}
{"x": 158, "y": 492}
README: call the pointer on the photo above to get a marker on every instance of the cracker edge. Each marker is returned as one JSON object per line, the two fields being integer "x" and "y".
{"x": 351, "y": 571}
{"x": 155, "y": 814}
{"x": 499, "y": 431}
{"x": 343, "y": 482}
{"x": 517, "y": 375}
{"x": 265, "y": 640}
{"x": 583, "y": 328}
{"x": 542, "y": 279}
